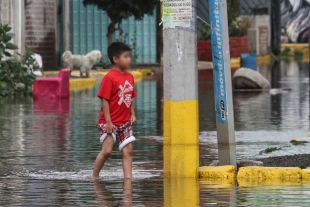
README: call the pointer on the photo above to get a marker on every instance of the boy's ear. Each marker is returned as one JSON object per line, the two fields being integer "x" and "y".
{"x": 114, "y": 58}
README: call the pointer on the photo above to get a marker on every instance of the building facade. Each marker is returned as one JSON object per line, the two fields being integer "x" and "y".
{"x": 49, "y": 27}
{"x": 34, "y": 23}
{"x": 41, "y": 30}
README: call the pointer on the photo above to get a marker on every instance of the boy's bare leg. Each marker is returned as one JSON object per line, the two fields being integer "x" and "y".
{"x": 127, "y": 161}
{"x": 105, "y": 153}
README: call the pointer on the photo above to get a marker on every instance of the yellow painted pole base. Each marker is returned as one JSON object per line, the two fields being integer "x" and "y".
{"x": 181, "y": 143}
{"x": 181, "y": 161}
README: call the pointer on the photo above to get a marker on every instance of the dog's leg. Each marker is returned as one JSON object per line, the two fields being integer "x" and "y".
{"x": 87, "y": 73}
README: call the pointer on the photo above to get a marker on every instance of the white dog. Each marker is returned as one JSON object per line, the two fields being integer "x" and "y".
{"x": 84, "y": 63}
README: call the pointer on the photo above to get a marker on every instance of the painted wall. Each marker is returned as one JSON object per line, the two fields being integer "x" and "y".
{"x": 295, "y": 20}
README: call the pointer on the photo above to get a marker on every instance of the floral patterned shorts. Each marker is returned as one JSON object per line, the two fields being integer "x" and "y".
{"x": 121, "y": 134}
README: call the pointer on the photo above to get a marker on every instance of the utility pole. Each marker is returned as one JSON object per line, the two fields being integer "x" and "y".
{"x": 309, "y": 54}
{"x": 275, "y": 14}
{"x": 222, "y": 82}
{"x": 181, "y": 150}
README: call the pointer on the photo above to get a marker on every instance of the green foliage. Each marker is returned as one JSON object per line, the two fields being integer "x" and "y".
{"x": 270, "y": 149}
{"x": 298, "y": 55}
{"x": 236, "y": 27}
{"x": 296, "y": 142}
{"x": 287, "y": 55}
{"x": 119, "y": 10}
{"x": 15, "y": 77}
{"x": 202, "y": 163}
{"x": 123, "y": 9}
{"x": 205, "y": 32}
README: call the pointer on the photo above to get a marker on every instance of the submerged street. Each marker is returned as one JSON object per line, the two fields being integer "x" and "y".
{"x": 48, "y": 148}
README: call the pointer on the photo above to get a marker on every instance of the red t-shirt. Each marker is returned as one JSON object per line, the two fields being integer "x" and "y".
{"x": 118, "y": 89}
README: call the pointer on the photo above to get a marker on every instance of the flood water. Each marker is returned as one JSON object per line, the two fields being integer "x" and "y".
{"x": 47, "y": 149}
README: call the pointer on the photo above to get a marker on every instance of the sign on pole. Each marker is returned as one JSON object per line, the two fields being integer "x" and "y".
{"x": 222, "y": 82}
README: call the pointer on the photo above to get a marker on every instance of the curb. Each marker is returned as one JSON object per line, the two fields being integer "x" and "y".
{"x": 219, "y": 172}
{"x": 235, "y": 62}
{"x": 77, "y": 84}
{"x": 306, "y": 175}
{"x": 255, "y": 174}
{"x": 138, "y": 75}
{"x": 269, "y": 173}
{"x": 261, "y": 59}
{"x": 82, "y": 83}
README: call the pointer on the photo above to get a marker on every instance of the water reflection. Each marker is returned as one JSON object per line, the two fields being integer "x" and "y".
{"x": 105, "y": 197}
{"x": 214, "y": 193}
{"x": 181, "y": 192}
{"x": 275, "y": 116}
{"x": 148, "y": 105}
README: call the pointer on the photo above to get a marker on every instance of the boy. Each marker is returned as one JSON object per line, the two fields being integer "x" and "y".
{"x": 117, "y": 113}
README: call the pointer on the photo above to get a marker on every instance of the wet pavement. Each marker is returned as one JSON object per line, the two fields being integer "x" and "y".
{"x": 48, "y": 148}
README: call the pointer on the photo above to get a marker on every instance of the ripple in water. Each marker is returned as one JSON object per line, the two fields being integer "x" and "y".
{"x": 83, "y": 175}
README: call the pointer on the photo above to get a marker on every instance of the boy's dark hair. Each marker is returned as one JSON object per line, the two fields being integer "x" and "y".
{"x": 116, "y": 49}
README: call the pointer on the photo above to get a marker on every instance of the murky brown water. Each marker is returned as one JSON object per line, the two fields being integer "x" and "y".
{"x": 47, "y": 149}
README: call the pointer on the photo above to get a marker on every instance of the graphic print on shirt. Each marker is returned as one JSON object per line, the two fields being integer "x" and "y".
{"x": 125, "y": 94}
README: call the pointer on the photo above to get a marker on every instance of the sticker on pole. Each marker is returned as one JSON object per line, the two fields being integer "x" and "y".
{"x": 177, "y": 13}
{"x": 218, "y": 61}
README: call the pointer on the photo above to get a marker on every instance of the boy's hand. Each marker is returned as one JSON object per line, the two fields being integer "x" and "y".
{"x": 109, "y": 127}
{"x": 133, "y": 119}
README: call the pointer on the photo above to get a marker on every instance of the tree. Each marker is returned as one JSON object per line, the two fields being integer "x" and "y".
{"x": 234, "y": 4}
{"x": 119, "y": 10}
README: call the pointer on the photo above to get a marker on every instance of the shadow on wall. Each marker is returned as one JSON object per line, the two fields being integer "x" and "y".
{"x": 40, "y": 17}
{"x": 295, "y": 21}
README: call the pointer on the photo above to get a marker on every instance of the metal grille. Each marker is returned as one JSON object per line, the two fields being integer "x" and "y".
{"x": 202, "y": 12}
{"x": 249, "y": 7}
{"x": 89, "y": 27}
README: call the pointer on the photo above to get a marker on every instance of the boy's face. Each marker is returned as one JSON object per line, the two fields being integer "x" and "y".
{"x": 123, "y": 61}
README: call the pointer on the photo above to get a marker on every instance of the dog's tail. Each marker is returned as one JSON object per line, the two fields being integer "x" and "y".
{"x": 66, "y": 55}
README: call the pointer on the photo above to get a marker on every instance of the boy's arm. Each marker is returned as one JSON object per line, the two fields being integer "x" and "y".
{"x": 107, "y": 117}
{"x": 133, "y": 114}
{"x": 132, "y": 110}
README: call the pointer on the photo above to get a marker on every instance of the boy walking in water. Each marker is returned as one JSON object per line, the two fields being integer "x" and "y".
{"x": 117, "y": 113}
